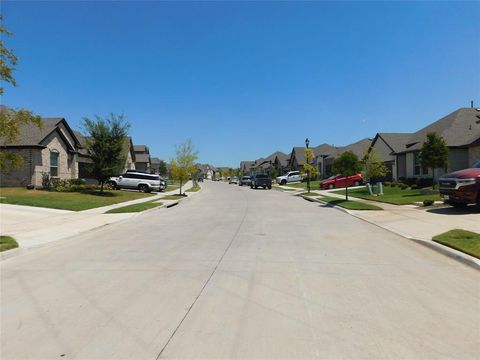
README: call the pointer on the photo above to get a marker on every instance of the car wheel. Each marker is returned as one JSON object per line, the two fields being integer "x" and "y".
{"x": 356, "y": 183}
{"x": 270, "y": 187}
{"x": 143, "y": 188}
{"x": 283, "y": 182}
{"x": 264, "y": 187}
{"x": 331, "y": 186}
{"x": 256, "y": 187}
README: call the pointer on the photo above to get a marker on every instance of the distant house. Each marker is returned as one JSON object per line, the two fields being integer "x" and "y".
{"x": 386, "y": 145}
{"x": 85, "y": 162}
{"x": 51, "y": 149}
{"x": 277, "y": 160}
{"x": 155, "y": 165}
{"x": 247, "y": 167}
{"x": 297, "y": 158}
{"x": 358, "y": 148}
{"x": 461, "y": 131}
{"x": 142, "y": 158}
{"x": 206, "y": 171}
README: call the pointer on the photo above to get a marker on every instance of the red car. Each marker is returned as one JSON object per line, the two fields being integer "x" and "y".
{"x": 340, "y": 181}
{"x": 461, "y": 187}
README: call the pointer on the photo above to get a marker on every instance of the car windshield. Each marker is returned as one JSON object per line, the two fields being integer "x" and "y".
{"x": 246, "y": 178}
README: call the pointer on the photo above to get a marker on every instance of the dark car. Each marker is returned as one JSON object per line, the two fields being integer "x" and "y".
{"x": 261, "y": 180}
{"x": 461, "y": 188}
{"x": 245, "y": 180}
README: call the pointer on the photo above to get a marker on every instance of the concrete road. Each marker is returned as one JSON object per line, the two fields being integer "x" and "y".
{"x": 239, "y": 273}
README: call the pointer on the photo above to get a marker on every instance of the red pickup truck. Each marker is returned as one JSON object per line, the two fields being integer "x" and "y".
{"x": 461, "y": 188}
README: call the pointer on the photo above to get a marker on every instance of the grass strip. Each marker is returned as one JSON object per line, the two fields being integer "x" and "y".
{"x": 392, "y": 195}
{"x": 135, "y": 207}
{"x": 462, "y": 240}
{"x": 173, "y": 197}
{"x": 311, "y": 193}
{"x": 7, "y": 243}
{"x": 194, "y": 188}
{"x": 349, "y": 204}
{"x": 75, "y": 201}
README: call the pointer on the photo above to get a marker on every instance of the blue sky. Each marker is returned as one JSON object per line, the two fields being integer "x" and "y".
{"x": 244, "y": 79}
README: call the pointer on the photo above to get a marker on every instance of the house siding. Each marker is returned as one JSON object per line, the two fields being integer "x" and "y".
{"x": 473, "y": 155}
{"x": 24, "y": 175}
{"x": 385, "y": 153}
{"x": 401, "y": 167}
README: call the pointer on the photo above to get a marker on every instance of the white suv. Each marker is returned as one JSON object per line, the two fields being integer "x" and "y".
{"x": 292, "y": 176}
{"x": 138, "y": 180}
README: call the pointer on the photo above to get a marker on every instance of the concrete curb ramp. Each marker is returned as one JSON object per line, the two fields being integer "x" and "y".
{"x": 445, "y": 250}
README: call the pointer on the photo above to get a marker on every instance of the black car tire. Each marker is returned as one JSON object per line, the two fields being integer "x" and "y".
{"x": 283, "y": 182}
{"x": 143, "y": 188}
{"x": 270, "y": 187}
{"x": 457, "y": 204}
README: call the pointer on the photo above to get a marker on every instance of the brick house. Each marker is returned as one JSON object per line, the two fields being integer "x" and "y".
{"x": 51, "y": 149}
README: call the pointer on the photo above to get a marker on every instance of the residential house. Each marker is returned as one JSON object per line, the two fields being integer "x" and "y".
{"x": 461, "y": 131}
{"x": 155, "y": 165}
{"x": 142, "y": 158}
{"x": 206, "y": 171}
{"x": 297, "y": 158}
{"x": 247, "y": 167}
{"x": 386, "y": 145}
{"x": 277, "y": 160}
{"x": 358, "y": 148}
{"x": 51, "y": 149}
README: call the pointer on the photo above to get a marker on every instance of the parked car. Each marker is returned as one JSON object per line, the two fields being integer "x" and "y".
{"x": 138, "y": 180}
{"x": 461, "y": 188}
{"x": 261, "y": 180}
{"x": 340, "y": 181}
{"x": 291, "y": 176}
{"x": 233, "y": 180}
{"x": 245, "y": 180}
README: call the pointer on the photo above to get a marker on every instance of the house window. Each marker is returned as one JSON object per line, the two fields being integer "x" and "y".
{"x": 418, "y": 169}
{"x": 54, "y": 163}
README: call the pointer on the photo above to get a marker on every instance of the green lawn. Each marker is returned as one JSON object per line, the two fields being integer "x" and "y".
{"x": 75, "y": 201}
{"x": 135, "y": 207}
{"x": 462, "y": 240}
{"x": 350, "y": 205}
{"x": 392, "y": 195}
{"x": 173, "y": 197}
{"x": 194, "y": 188}
{"x": 314, "y": 185}
{"x": 7, "y": 243}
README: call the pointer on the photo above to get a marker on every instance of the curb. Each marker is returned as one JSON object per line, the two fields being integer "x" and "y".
{"x": 445, "y": 250}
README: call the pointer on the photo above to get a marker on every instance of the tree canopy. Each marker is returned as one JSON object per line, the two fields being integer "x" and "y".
{"x": 183, "y": 166}
{"x": 434, "y": 152}
{"x": 373, "y": 165}
{"x": 347, "y": 164}
{"x": 105, "y": 141}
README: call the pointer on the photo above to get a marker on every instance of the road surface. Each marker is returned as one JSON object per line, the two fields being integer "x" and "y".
{"x": 239, "y": 273}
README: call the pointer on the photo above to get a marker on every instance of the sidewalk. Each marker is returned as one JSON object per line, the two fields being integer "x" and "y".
{"x": 35, "y": 226}
{"x": 417, "y": 223}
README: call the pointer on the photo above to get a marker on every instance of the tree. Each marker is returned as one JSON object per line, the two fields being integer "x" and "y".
{"x": 373, "y": 165}
{"x": 105, "y": 141}
{"x": 162, "y": 168}
{"x": 273, "y": 172}
{"x": 348, "y": 165}
{"x": 183, "y": 166}
{"x": 11, "y": 120}
{"x": 434, "y": 153}
{"x": 310, "y": 170}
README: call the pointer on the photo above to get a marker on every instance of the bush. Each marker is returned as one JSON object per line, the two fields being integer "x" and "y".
{"x": 46, "y": 181}
{"x": 76, "y": 182}
{"x": 394, "y": 184}
{"x": 428, "y": 202}
{"x": 414, "y": 187}
{"x": 409, "y": 181}
{"x": 387, "y": 183}
{"x": 424, "y": 182}
{"x": 403, "y": 186}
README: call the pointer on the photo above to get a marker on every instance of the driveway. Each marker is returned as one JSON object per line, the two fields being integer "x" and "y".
{"x": 239, "y": 273}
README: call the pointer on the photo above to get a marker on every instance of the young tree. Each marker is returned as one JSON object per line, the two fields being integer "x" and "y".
{"x": 183, "y": 166}
{"x": 11, "y": 120}
{"x": 348, "y": 165}
{"x": 273, "y": 172}
{"x": 310, "y": 170}
{"x": 434, "y": 153}
{"x": 373, "y": 165}
{"x": 105, "y": 140}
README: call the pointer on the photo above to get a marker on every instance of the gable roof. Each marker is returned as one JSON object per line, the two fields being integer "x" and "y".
{"x": 31, "y": 135}
{"x": 395, "y": 141}
{"x": 141, "y": 149}
{"x": 298, "y": 152}
{"x": 155, "y": 160}
{"x": 459, "y": 128}
{"x": 324, "y": 150}
{"x": 142, "y": 158}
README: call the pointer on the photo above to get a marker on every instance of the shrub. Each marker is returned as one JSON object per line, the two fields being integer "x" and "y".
{"x": 414, "y": 187}
{"x": 387, "y": 183}
{"x": 76, "y": 182}
{"x": 30, "y": 187}
{"x": 428, "y": 202}
{"x": 403, "y": 186}
{"x": 46, "y": 181}
{"x": 424, "y": 182}
{"x": 394, "y": 184}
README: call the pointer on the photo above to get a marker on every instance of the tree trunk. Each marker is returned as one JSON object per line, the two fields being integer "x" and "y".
{"x": 101, "y": 187}
{"x": 433, "y": 178}
{"x": 346, "y": 192}
{"x": 181, "y": 187}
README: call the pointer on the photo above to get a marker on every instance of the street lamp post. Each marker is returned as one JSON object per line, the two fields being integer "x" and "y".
{"x": 307, "y": 142}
